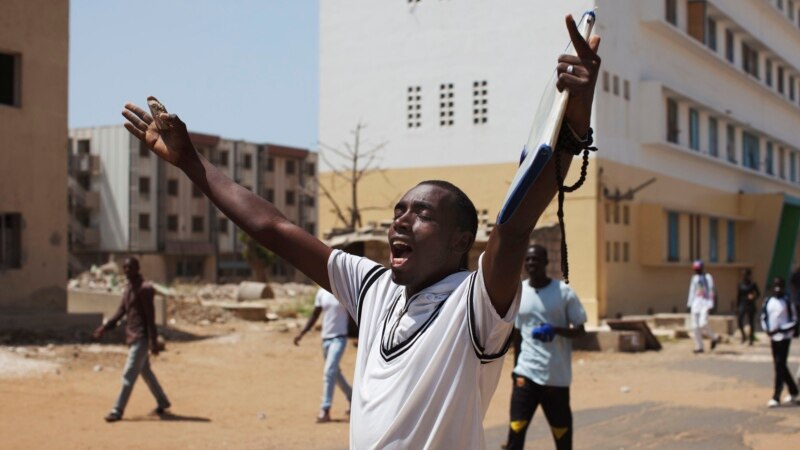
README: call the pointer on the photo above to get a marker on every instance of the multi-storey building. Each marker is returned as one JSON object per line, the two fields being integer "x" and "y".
{"x": 696, "y": 115}
{"x": 151, "y": 209}
{"x": 34, "y": 44}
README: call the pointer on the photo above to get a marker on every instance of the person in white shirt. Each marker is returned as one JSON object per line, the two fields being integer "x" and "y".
{"x": 779, "y": 321}
{"x": 700, "y": 302}
{"x": 334, "y": 343}
{"x": 550, "y": 316}
{"x": 431, "y": 334}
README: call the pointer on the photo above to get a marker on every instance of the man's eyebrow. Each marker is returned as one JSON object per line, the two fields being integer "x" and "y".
{"x": 419, "y": 204}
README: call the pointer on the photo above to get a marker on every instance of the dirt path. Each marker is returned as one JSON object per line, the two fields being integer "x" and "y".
{"x": 251, "y": 388}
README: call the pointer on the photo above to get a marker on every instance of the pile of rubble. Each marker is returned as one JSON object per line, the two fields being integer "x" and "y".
{"x": 106, "y": 278}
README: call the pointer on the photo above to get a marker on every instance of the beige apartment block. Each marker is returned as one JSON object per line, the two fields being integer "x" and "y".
{"x": 696, "y": 115}
{"x": 127, "y": 201}
{"x": 34, "y": 44}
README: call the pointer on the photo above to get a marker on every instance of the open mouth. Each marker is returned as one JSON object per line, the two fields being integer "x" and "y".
{"x": 400, "y": 253}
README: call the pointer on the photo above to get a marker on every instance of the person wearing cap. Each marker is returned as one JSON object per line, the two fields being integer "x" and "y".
{"x": 700, "y": 303}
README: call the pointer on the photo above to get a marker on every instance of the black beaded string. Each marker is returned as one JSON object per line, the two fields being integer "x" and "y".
{"x": 564, "y": 189}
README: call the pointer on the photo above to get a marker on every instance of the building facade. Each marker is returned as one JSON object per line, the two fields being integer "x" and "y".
{"x": 34, "y": 45}
{"x": 148, "y": 208}
{"x": 696, "y": 115}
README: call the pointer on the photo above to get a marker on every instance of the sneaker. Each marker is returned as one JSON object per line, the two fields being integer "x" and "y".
{"x": 714, "y": 343}
{"x": 324, "y": 416}
{"x": 113, "y": 417}
{"x": 772, "y": 403}
{"x": 697, "y": 351}
{"x": 789, "y": 398}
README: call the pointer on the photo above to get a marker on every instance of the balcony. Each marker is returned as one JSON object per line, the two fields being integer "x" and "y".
{"x": 82, "y": 236}
{"x": 84, "y": 164}
{"x": 82, "y": 198}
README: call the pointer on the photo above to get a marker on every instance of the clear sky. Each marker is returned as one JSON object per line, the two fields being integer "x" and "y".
{"x": 243, "y": 69}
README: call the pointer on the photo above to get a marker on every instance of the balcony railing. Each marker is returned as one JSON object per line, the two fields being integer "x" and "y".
{"x": 84, "y": 164}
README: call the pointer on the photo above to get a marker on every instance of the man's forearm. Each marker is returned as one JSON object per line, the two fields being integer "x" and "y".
{"x": 570, "y": 332}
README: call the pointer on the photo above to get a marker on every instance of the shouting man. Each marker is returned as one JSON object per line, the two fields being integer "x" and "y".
{"x": 431, "y": 334}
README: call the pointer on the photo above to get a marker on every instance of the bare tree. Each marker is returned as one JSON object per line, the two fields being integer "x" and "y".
{"x": 354, "y": 163}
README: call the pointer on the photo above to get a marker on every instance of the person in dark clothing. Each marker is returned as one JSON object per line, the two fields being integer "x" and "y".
{"x": 746, "y": 297}
{"x": 140, "y": 334}
{"x": 794, "y": 282}
{"x": 779, "y": 320}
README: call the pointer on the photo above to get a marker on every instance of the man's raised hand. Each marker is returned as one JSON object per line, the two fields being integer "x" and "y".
{"x": 582, "y": 79}
{"x": 171, "y": 144}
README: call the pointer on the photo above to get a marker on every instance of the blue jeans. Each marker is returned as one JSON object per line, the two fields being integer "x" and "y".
{"x": 332, "y": 351}
{"x": 139, "y": 363}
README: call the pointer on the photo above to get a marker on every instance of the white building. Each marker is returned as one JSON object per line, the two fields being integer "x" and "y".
{"x": 701, "y": 97}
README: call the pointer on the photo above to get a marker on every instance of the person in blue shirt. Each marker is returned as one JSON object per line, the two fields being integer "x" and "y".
{"x": 550, "y": 316}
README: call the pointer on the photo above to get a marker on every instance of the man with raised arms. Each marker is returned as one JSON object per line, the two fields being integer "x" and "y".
{"x": 431, "y": 334}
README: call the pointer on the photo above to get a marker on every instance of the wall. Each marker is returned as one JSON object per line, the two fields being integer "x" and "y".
{"x": 33, "y": 175}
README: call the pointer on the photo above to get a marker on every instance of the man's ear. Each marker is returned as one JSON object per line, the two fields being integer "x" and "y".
{"x": 462, "y": 241}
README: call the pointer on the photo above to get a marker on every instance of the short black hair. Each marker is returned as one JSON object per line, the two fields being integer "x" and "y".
{"x": 132, "y": 260}
{"x": 539, "y": 249}
{"x": 467, "y": 214}
{"x": 778, "y": 281}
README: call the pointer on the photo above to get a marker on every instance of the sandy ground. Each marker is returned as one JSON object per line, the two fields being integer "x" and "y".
{"x": 244, "y": 385}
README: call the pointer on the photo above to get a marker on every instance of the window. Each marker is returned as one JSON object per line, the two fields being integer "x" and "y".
{"x": 172, "y": 187}
{"x": 270, "y": 195}
{"x": 608, "y": 212}
{"x": 480, "y": 100}
{"x": 625, "y": 252}
{"x": 197, "y": 224}
{"x": 144, "y": 152}
{"x": 310, "y": 201}
{"x": 144, "y": 222}
{"x": 290, "y": 166}
{"x": 248, "y": 161}
{"x": 749, "y": 60}
{"x": 606, "y": 81}
{"x": 144, "y": 185}
{"x": 751, "y": 150}
{"x": 608, "y": 251}
{"x": 223, "y": 225}
{"x": 694, "y": 129}
{"x": 779, "y": 3}
{"x": 730, "y": 145}
{"x": 290, "y": 197}
{"x": 713, "y": 137}
{"x": 696, "y": 19}
{"x": 673, "y": 245}
{"x": 270, "y": 164}
{"x": 781, "y": 163}
{"x": 414, "y": 105}
{"x": 768, "y": 161}
{"x": 311, "y": 228}
{"x": 196, "y": 192}
{"x": 616, "y": 85}
{"x": 729, "y": 45}
{"x": 10, "y": 241}
{"x": 792, "y": 168}
{"x": 9, "y": 79}
{"x": 791, "y": 87}
{"x": 790, "y": 9}
{"x": 672, "y": 121}
{"x": 311, "y": 168}
{"x": 626, "y": 213}
{"x": 172, "y": 222}
{"x": 616, "y": 251}
{"x": 768, "y": 72}
{"x": 731, "y": 241}
{"x": 84, "y": 146}
{"x": 616, "y": 212}
{"x": 711, "y": 34}
{"x": 223, "y": 158}
{"x": 780, "y": 79}
{"x": 446, "y": 108}
{"x": 713, "y": 242}
{"x": 626, "y": 90}
{"x": 671, "y": 13}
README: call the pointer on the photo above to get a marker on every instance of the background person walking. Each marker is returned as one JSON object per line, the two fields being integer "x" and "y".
{"x": 779, "y": 320}
{"x": 140, "y": 334}
{"x": 700, "y": 302}
{"x": 334, "y": 342}
{"x": 747, "y": 294}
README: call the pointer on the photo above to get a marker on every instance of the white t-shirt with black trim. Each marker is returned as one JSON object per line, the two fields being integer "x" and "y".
{"x": 427, "y": 366}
